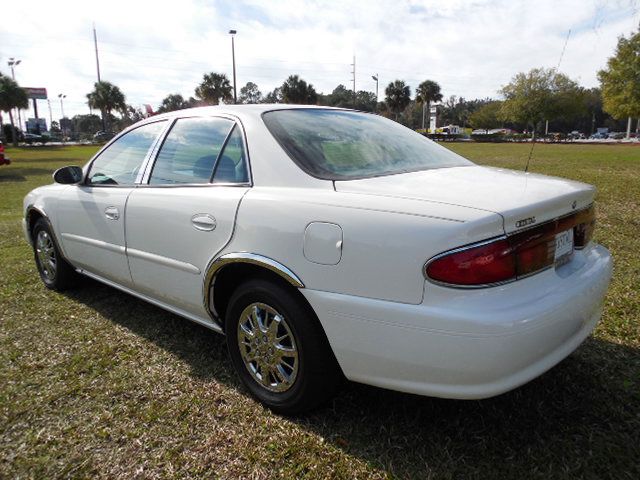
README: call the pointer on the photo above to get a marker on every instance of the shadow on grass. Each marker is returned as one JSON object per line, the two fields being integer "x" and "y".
{"x": 21, "y": 174}
{"x": 12, "y": 178}
{"x": 580, "y": 419}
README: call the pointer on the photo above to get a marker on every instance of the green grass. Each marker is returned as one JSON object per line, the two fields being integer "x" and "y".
{"x": 94, "y": 383}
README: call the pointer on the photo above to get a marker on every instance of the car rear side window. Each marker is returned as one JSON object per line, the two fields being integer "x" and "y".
{"x": 347, "y": 145}
{"x": 190, "y": 151}
{"x": 120, "y": 162}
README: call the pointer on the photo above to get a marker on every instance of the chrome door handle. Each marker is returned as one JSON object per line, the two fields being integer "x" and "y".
{"x": 203, "y": 222}
{"x": 112, "y": 213}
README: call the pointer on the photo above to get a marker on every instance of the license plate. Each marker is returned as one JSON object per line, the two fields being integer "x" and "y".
{"x": 564, "y": 245}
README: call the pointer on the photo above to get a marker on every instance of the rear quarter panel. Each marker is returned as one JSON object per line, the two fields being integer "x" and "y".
{"x": 386, "y": 242}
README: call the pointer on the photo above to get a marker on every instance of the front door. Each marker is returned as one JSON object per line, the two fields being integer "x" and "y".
{"x": 184, "y": 215}
{"x": 91, "y": 216}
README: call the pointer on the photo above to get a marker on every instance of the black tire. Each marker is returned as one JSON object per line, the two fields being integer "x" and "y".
{"x": 56, "y": 274}
{"x": 318, "y": 375}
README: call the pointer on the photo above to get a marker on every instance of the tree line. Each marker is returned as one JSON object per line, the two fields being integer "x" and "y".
{"x": 216, "y": 88}
{"x": 529, "y": 100}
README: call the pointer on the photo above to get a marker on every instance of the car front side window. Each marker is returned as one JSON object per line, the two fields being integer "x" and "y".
{"x": 189, "y": 153}
{"x": 120, "y": 162}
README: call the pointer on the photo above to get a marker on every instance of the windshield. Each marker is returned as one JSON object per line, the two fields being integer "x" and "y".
{"x": 346, "y": 145}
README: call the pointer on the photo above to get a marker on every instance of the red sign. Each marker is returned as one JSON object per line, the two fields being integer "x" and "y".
{"x": 37, "y": 93}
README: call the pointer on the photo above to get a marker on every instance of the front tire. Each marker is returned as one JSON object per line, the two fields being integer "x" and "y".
{"x": 55, "y": 272}
{"x": 279, "y": 349}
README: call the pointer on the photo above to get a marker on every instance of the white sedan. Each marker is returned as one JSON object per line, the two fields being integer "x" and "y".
{"x": 328, "y": 243}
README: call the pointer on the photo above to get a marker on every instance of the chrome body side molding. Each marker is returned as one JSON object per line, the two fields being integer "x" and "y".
{"x": 242, "y": 257}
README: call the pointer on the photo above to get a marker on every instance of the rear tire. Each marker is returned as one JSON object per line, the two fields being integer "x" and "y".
{"x": 55, "y": 272}
{"x": 279, "y": 349}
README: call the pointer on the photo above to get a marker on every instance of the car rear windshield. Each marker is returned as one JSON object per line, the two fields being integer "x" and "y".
{"x": 347, "y": 145}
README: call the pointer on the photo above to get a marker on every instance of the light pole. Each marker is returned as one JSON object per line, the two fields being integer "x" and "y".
{"x": 12, "y": 64}
{"x": 233, "y": 56}
{"x": 62, "y": 96}
{"x": 375, "y": 77}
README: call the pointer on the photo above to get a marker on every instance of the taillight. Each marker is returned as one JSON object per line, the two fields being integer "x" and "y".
{"x": 485, "y": 264}
{"x": 512, "y": 257}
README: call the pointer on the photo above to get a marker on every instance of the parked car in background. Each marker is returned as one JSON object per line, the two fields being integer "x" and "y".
{"x": 4, "y": 160}
{"x": 599, "y": 136}
{"x": 576, "y": 135}
{"x": 30, "y": 138}
{"x": 102, "y": 136}
{"x": 55, "y": 136}
{"x": 327, "y": 243}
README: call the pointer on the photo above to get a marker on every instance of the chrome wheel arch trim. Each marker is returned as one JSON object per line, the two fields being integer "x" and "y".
{"x": 222, "y": 261}
{"x": 27, "y": 214}
{"x": 43, "y": 214}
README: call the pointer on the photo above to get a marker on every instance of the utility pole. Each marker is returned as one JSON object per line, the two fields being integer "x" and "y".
{"x": 354, "y": 81}
{"x": 95, "y": 44}
{"x": 233, "y": 58}
{"x": 62, "y": 96}
{"x": 50, "y": 114}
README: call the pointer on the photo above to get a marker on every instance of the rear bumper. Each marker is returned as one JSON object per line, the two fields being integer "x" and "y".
{"x": 468, "y": 343}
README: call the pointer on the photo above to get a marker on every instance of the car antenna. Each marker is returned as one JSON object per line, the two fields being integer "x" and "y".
{"x": 533, "y": 143}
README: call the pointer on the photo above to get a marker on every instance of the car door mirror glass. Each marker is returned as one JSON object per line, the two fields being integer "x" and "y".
{"x": 68, "y": 175}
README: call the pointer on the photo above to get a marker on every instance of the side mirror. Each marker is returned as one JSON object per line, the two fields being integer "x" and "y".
{"x": 68, "y": 175}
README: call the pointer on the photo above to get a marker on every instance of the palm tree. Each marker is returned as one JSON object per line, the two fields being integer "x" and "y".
{"x": 214, "y": 87}
{"x": 398, "y": 96}
{"x": 106, "y": 97}
{"x": 296, "y": 90}
{"x": 12, "y": 96}
{"x": 427, "y": 92}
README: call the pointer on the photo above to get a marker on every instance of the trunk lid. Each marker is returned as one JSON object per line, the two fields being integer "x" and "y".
{"x": 522, "y": 199}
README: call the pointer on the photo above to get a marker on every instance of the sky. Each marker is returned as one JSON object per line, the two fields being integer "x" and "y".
{"x": 153, "y": 48}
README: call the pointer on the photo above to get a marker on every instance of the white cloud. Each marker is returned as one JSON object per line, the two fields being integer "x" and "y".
{"x": 151, "y": 49}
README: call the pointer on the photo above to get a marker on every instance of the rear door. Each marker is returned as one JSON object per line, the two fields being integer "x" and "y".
{"x": 91, "y": 215}
{"x": 184, "y": 212}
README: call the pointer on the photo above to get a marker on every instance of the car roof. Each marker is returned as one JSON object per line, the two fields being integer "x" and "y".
{"x": 238, "y": 110}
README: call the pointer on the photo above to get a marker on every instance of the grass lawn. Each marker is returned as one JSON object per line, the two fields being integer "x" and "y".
{"x": 94, "y": 383}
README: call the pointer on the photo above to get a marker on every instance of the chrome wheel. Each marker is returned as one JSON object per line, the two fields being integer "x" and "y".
{"x": 46, "y": 252}
{"x": 267, "y": 347}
